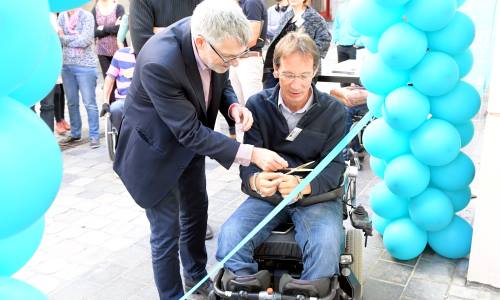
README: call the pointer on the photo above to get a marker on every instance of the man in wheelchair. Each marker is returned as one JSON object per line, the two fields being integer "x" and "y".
{"x": 302, "y": 125}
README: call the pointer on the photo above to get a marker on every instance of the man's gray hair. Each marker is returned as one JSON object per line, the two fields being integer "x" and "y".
{"x": 217, "y": 20}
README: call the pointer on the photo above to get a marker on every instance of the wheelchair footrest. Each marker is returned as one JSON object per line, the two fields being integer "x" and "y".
{"x": 249, "y": 283}
{"x": 309, "y": 288}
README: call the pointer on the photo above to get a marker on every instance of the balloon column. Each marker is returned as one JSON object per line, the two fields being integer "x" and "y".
{"x": 418, "y": 57}
{"x": 30, "y": 159}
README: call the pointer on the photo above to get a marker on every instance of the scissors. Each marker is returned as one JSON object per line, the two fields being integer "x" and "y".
{"x": 301, "y": 168}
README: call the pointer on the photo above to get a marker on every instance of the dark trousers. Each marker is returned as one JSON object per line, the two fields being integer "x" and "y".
{"x": 105, "y": 62}
{"x": 344, "y": 53}
{"x": 59, "y": 102}
{"x": 268, "y": 80}
{"x": 355, "y": 145}
{"x": 47, "y": 109}
{"x": 178, "y": 226}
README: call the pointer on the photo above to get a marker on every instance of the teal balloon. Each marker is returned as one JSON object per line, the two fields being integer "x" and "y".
{"x": 375, "y": 103}
{"x": 24, "y": 28}
{"x": 370, "y": 18}
{"x": 379, "y": 78}
{"x": 404, "y": 240}
{"x": 377, "y": 166}
{"x": 43, "y": 78}
{"x": 435, "y": 75}
{"x": 384, "y": 142}
{"x": 455, "y": 38}
{"x": 62, "y": 5}
{"x": 454, "y": 241}
{"x": 13, "y": 289}
{"x": 464, "y": 61}
{"x": 386, "y": 204}
{"x": 435, "y": 143}
{"x": 370, "y": 43}
{"x": 402, "y": 46}
{"x": 454, "y": 176}
{"x": 431, "y": 210}
{"x": 379, "y": 223}
{"x": 430, "y": 15}
{"x": 405, "y": 108}
{"x": 459, "y": 105}
{"x": 392, "y": 3}
{"x": 460, "y": 198}
{"x": 17, "y": 249}
{"x": 466, "y": 131}
{"x": 31, "y": 167}
{"x": 405, "y": 176}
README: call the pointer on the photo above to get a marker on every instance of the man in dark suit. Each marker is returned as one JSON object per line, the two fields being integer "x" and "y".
{"x": 180, "y": 82}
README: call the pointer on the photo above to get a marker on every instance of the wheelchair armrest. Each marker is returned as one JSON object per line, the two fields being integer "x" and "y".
{"x": 328, "y": 196}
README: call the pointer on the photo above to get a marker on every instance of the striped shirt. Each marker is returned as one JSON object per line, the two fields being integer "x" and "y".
{"x": 122, "y": 69}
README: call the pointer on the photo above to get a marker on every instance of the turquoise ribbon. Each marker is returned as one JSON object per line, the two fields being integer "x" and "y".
{"x": 322, "y": 165}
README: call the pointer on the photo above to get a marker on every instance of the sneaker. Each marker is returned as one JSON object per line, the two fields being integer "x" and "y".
{"x": 204, "y": 289}
{"x": 94, "y": 143}
{"x": 69, "y": 140}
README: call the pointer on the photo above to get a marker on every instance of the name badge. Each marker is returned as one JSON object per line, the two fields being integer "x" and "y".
{"x": 293, "y": 135}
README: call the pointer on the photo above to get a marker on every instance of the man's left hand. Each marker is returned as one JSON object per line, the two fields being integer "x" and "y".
{"x": 288, "y": 183}
{"x": 241, "y": 115}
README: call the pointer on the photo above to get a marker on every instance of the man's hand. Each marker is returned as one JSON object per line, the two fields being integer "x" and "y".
{"x": 241, "y": 115}
{"x": 105, "y": 109}
{"x": 268, "y": 160}
{"x": 288, "y": 183}
{"x": 267, "y": 183}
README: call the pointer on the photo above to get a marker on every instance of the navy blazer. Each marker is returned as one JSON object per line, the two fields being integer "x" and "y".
{"x": 165, "y": 120}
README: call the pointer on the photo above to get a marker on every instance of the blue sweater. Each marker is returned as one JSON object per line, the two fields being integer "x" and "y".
{"x": 322, "y": 128}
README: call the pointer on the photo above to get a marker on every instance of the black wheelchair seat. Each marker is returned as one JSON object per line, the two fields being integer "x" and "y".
{"x": 280, "y": 245}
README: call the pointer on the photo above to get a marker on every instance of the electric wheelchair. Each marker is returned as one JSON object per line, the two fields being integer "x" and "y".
{"x": 280, "y": 260}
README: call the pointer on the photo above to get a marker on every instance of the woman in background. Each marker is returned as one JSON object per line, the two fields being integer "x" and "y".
{"x": 300, "y": 17}
{"x": 79, "y": 72}
{"x": 107, "y": 16}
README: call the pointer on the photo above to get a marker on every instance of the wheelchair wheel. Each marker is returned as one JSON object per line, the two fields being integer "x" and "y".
{"x": 111, "y": 133}
{"x": 354, "y": 246}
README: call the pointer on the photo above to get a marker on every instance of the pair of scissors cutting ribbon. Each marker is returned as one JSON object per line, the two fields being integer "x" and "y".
{"x": 301, "y": 168}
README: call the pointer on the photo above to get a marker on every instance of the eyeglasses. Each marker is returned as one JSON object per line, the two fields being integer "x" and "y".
{"x": 228, "y": 61}
{"x": 290, "y": 76}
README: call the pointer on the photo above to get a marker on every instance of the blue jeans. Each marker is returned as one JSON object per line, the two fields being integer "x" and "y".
{"x": 178, "y": 225}
{"x": 318, "y": 232}
{"x": 116, "y": 109}
{"x": 81, "y": 79}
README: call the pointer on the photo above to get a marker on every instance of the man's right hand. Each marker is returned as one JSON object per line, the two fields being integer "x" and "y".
{"x": 104, "y": 109}
{"x": 268, "y": 160}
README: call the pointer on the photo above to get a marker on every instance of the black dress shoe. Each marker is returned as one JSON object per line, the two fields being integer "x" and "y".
{"x": 210, "y": 233}
{"x": 204, "y": 289}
